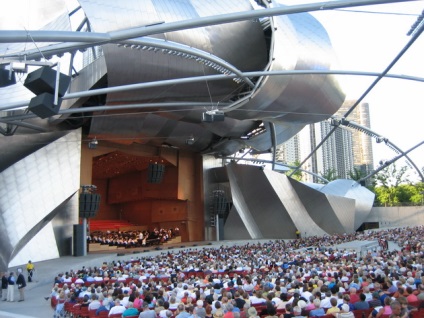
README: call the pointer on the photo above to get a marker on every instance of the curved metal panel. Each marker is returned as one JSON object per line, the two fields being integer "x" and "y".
{"x": 271, "y": 205}
{"x": 242, "y": 203}
{"x": 247, "y": 53}
{"x": 300, "y": 42}
{"x": 31, "y": 189}
{"x": 363, "y": 197}
{"x": 329, "y": 212}
{"x": 293, "y": 203}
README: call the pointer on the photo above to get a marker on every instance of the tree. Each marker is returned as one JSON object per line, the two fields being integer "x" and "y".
{"x": 392, "y": 186}
{"x": 330, "y": 174}
{"x": 356, "y": 174}
{"x": 298, "y": 174}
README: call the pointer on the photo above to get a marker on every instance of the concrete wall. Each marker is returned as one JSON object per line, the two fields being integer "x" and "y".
{"x": 397, "y": 216}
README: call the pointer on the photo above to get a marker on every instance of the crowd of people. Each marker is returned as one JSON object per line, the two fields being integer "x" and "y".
{"x": 133, "y": 238}
{"x": 302, "y": 277}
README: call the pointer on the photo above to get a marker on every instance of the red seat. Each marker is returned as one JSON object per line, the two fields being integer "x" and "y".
{"x": 92, "y": 313}
{"x": 115, "y": 316}
{"x": 359, "y": 313}
{"x": 417, "y": 314}
{"x": 75, "y": 310}
{"x": 103, "y": 314}
{"x": 84, "y": 313}
{"x": 68, "y": 307}
{"x": 53, "y": 302}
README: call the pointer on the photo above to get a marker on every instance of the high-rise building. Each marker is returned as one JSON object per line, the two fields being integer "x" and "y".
{"x": 344, "y": 151}
{"x": 362, "y": 143}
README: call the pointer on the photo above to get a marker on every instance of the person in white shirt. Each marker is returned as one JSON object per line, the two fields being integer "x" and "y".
{"x": 117, "y": 309}
{"x": 95, "y": 303}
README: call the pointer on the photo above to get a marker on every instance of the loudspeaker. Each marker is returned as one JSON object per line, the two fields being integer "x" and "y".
{"x": 120, "y": 254}
{"x": 219, "y": 203}
{"x": 43, "y": 80}
{"x": 155, "y": 172}
{"x": 42, "y": 105}
{"x": 207, "y": 118}
{"x": 78, "y": 240}
{"x": 218, "y": 116}
{"x": 4, "y": 78}
{"x": 88, "y": 204}
{"x": 158, "y": 248}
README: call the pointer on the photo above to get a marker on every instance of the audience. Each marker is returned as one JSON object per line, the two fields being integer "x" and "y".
{"x": 307, "y": 274}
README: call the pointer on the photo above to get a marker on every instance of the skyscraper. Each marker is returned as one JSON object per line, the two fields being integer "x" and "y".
{"x": 362, "y": 143}
{"x": 343, "y": 152}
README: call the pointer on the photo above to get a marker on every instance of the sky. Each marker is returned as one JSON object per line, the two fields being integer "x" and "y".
{"x": 365, "y": 41}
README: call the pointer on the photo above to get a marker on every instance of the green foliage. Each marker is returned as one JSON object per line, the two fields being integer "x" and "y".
{"x": 298, "y": 175}
{"x": 356, "y": 174}
{"x": 330, "y": 174}
{"x": 392, "y": 187}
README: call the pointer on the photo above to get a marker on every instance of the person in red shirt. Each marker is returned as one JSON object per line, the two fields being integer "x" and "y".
{"x": 354, "y": 297}
{"x": 411, "y": 297}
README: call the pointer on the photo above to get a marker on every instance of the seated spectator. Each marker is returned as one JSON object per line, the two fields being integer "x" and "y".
{"x": 367, "y": 293}
{"x": 104, "y": 307}
{"x": 148, "y": 312}
{"x": 297, "y": 312}
{"x": 397, "y": 310}
{"x": 406, "y": 308}
{"x": 411, "y": 297}
{"x": 117, "y": 309}
{"x": 95, "y": 303}
{"x": 130, "y": 311}
{"x": 384, "y": 310}
{"x": 345, "y": 312}
{"x": 333, "y": 308}
{"x": 353, "y": 295}
{"x": 318, "y": 311}
{"x": 251, "y": 313}
{"x": 346, "y": 300}
{"x": 325, "y": 303}
{"x": 362, "y": 303}
{"x": 375, "y": 302}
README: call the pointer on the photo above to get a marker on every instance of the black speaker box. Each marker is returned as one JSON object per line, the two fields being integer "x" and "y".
{"x": 42, "y": 105}
{"x": 43, "y": 80}
{"x": 4, "y": 78}
{"x": 155, "y": 172}
{"x": 79, "y": 238}
{"x": 88, "y": 204}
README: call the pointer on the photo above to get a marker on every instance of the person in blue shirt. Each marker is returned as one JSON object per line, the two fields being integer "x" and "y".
{"x": 318, "y": 311}
{"x": 11, "y": 280}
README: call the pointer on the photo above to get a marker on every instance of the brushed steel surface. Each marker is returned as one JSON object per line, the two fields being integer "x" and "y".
{"x": 31, "y": 190}
{"x": 363, "y": 197}
{"x": 267, "y": 204}
{"x": 328, "y": 211}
